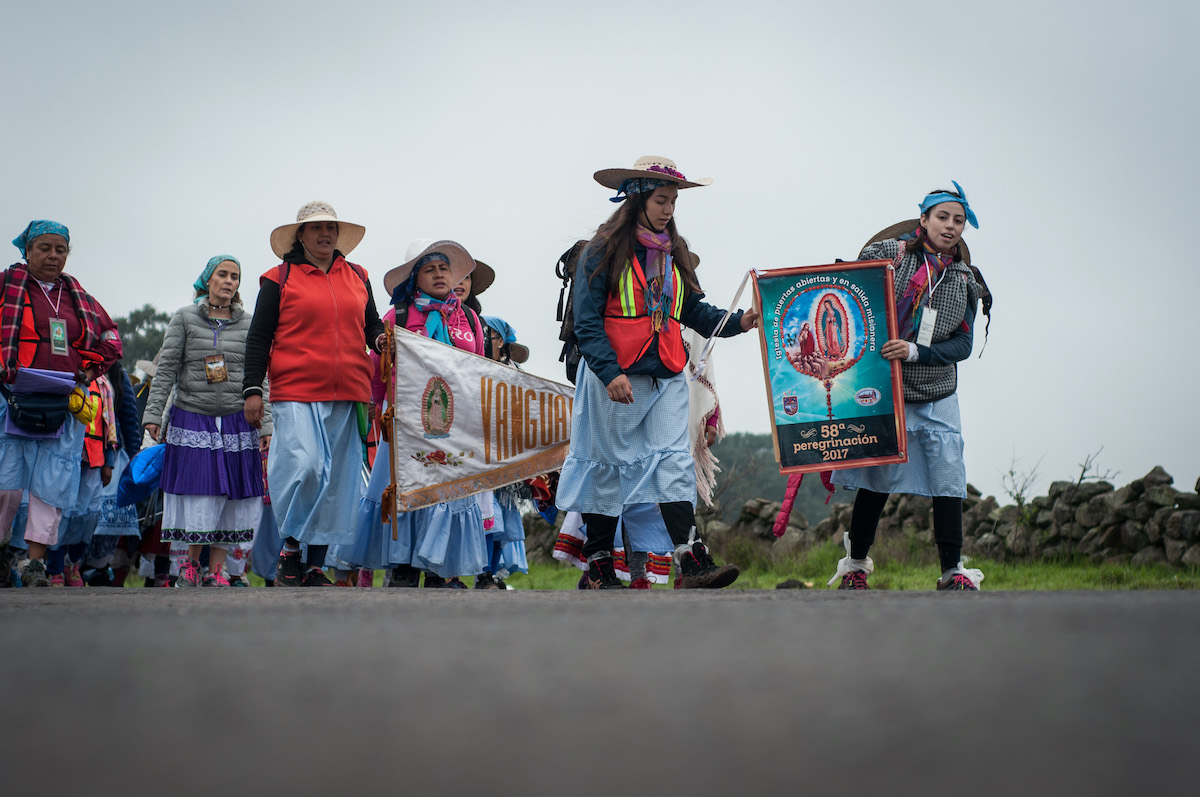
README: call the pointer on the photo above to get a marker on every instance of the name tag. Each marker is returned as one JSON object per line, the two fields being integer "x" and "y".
{"x": 928, "y": 320}
{"x": 58, "y": 336}
{"x": 214, "y": 368}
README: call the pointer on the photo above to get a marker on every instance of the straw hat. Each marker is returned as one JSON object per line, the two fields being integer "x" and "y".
{"x": 652, "y": 166}
{"x": 349, "y": 235}
{"x": 461, "y": 263}
{"x": 905, "y": 227}
{"x": 482, "y": 277}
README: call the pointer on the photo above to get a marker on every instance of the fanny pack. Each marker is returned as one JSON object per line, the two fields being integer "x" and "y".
{"x": 37, "y": 412}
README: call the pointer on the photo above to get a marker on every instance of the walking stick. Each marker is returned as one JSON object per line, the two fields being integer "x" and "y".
{"x": 387, "y": 368}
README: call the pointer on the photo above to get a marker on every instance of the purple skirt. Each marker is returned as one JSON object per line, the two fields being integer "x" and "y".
{"x": 203, "y": 460}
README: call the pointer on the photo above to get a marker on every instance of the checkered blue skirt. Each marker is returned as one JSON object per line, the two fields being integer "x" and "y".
{"x": 624, "y": 454}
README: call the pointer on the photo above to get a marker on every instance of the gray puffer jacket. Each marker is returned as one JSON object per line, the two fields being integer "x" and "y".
{"x": 192, "y": 336}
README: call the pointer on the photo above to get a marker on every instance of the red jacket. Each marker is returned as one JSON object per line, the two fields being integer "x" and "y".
{"x": 319, "y": 352}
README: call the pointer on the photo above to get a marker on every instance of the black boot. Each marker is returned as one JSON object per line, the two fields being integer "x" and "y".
{"x": 700, "y": 571}
{"x": 405, "y": 576}
{"x": 603, "y": 575}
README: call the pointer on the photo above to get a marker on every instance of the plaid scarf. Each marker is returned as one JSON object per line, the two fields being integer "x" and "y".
{"x": 909, "y": 306}
{"x": 660, "y": 289}
{"x": 110, "y": 413}
{"x": 98, "y": 328}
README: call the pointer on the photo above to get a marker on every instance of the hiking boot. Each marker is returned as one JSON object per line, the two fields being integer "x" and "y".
{"x": 486, "y": 581}
{"x": 366, "y": 578}
{"x": 699, "y": 571}
{"x": 640, "y": 583}
{"x": 289, "y": 571}
{"x": 957, "y": 582}
{"x": 71, "y": 576}
{"x": 405, "y": 576}
{"x": 855, "y": 579}
{"x": 455, "y": 583}
{"x": 434, "y": 581}
{"x": 216, "y": 579}
{"x": 316, "y": 578}
{"x": 33, "y": 574}
{"x": 601, "y": 574}
{"x": 189, "y": 573}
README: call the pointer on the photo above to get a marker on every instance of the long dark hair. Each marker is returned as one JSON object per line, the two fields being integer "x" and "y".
{"x": 618, "y": 236}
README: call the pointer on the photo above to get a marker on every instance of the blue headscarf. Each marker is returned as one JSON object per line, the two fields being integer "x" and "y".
{"x": 201, "y": 283}
{"x": 501, "y": 326}
{"x": 39, "y": 227}
{"x": 939, "y": 197}
{"x": 637, "y": 185}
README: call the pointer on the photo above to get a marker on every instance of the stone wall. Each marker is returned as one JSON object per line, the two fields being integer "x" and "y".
{"x": 1146, "y": 521}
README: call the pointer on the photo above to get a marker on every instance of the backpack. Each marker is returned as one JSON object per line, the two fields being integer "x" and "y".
{"x": 565, "y": 270}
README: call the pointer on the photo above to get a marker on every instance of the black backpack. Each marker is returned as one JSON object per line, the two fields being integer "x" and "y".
{"x": 565, "y": 270}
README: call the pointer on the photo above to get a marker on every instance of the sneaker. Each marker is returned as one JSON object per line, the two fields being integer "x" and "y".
{"x": 583, "y": 581}
{"x": 957, "y": 582}
{"x": 57, "y": 580}
{"x": 159, "y": 581}
{"x": 486, "y": 581}
{"x": 238, "y": 581}
{"x": 216, "y": 580}
{"x": 33, "y": 574}
{"x": 405, "y": 576}
{"x": 640, "y": 583}
{"x": 855, "y": 579}
{"x": 366, "y": 578}
{"x": 71, "y": 576}
{"x": 434, "y": 581}
{"x": 189, "y": 573}
{"x": 316, "y": 578}
{"x": 289, "y": 571}
{"x": 602, "y": 575}
{"x": 456, "y": 583}
{"x": 699, "y": 571}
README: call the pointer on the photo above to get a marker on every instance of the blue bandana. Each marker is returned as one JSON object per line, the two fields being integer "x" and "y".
{"x": 942, "y": 196}
{"x": 502, "y": 327}
{"x": 39, "y": 227}
{"x": 201, "y": 283}
{"x": 637, "y": 185}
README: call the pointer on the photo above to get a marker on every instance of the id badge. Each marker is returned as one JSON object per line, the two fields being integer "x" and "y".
{"x": 58, "y": 336}
{"x": 928, "y": 320}
{"x": 214, "y": 368}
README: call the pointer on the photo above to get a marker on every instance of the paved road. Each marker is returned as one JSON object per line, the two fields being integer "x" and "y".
{"x": 266, "y": 692}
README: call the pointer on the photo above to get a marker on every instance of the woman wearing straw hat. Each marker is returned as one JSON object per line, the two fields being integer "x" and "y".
{"x": 48, "y": 323}
{"x": 629, "y": 426}
{"x": 445, "y": 540}
{"x": 936, "y": 293}
{"x": 313, "y": 321}
{"x": 212, "y": 477}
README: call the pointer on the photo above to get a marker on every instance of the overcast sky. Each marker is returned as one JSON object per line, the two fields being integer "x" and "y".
{"x": 165, "y": 133}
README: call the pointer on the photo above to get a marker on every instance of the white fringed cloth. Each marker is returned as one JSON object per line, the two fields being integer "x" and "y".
{"x": 702, "y": 405}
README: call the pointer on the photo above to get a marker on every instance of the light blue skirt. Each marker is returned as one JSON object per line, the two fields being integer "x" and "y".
{"x": 935, "y": 466}
{"x": 373, "y": 546}
{"x": 48, "y": 469}
{"x": 79, "y": 521}
{"x": 268, "y": 543}
{"x": 315, "y": 471}
{"x": 625, "y": 454}
{"x": 448, "y": 538}
{"x": 509, "y": 532}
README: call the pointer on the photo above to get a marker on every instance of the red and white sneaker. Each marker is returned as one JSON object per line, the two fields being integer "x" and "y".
{"x": 855, "y": 579}
{"x": 640, "y": 583}
{"x": 957, "y": 583}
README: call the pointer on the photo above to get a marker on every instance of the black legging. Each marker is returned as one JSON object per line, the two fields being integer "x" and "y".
{"x": 947, "y": 526}
{"x": 679, "y": 517}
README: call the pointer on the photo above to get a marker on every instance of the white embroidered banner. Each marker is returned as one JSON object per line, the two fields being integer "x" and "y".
{"x": 464, "y": 424}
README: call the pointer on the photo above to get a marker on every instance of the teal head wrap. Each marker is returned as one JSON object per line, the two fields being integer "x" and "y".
{"x": 938, "y": 197}
{"x": 201, "y": 283}
{"x": 40, "y": 227}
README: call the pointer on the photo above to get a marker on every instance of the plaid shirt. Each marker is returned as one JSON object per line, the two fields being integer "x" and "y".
{"x": 99, "y": 345}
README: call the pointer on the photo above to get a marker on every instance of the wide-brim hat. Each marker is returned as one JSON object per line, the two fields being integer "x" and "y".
{"x": 482, "y": 277}
{"x": 651, "y": 166}
{"x": 349, "y": 234}
{"x": 461, "y": 263}
{"x": 148, "y": 368}
{"x": 907, "y": 227}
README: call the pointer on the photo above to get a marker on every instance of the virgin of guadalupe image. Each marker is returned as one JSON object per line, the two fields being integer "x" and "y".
{"x": 437, "y": 414}
{"x": 831, "y": 319}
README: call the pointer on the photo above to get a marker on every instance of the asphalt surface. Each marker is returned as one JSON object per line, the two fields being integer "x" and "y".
{"x": 752, "y": 692}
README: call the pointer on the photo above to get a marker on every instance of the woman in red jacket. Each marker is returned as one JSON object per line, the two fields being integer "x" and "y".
{"x": 313, "y": 321}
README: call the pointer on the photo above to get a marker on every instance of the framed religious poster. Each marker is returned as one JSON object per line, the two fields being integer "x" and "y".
{"x": 835, "y": 401}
